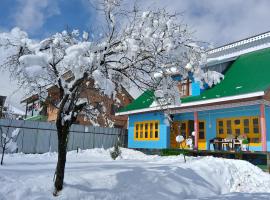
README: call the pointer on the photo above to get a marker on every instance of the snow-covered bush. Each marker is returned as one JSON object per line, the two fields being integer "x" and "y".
{"x": 8, "y": 143}
{"x": 116, "y": 152}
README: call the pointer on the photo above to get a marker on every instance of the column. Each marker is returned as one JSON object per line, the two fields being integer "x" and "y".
{"x": 196, "y": 129}
{"x": 263, "y": 127}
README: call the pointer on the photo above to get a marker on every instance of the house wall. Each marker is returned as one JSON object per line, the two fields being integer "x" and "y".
{"x": 95, "y": 98}
{"x": 210, "y": 118}
{"x": 164, "y": 131}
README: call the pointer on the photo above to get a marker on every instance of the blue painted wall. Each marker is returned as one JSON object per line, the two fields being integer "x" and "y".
{"x": 267, "y": 118}
{"x": 164, "y": 131}
{"x": 211, "y": 116}
{"x": 195, "y": 89}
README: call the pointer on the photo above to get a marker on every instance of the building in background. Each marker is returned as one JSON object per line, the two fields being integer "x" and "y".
{"x": 36, "y": 109}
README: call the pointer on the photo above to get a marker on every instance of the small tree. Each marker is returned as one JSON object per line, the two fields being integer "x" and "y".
{"x": 8, "y": 142}
{"x": 116, "y": 152}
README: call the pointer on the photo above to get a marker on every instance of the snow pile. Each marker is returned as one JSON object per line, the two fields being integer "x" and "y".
{"x": 92, "y": 174}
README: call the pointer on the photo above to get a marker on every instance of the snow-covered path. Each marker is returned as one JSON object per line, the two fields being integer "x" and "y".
{"x": 91, "y": 174}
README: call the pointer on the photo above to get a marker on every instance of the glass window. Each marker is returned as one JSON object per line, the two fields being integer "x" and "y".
{"x": 147, "y": 130}
{"x": 201, "y": 135}
{"x": 256, "y": 125}
{"x": 229, "y": 127}
{"x": 240, "y": 126}
{"x": 201, "y": 125}
{"x": 201, "y": 130}
{"x": 237, "y": 121}
{"x": 246, "y": 126}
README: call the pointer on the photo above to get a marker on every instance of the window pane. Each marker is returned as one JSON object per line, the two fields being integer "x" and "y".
{"x": 146, "y": 134}
{"x": 246, "y": 130}
{"x": 201, "y": 135}
{"x": 246, "y": 122}
{"x": 237, "y": 121}
{"x": 136, "y": 135}
{"x": 229, "y": 127}
{"x": 255, "y": 121}
{"x": 256, "y": 130}
{"x": 156, "y": 134}
{"x": 156, "y": 125}
{"x": 146, "y": 127}
{"x": 151, "y": 133}
{"x": 220, "y": 123}
{"x": 151, "y": 126}
{"x": 137, "y": 127}
{"x": 201, "y": 125}
{"x": 221, "y": 131}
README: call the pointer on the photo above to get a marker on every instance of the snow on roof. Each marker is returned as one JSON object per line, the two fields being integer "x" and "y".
{"x": 233, "y": 50}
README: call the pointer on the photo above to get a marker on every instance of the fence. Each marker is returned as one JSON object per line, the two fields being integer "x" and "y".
{"x": 41, "y": 137}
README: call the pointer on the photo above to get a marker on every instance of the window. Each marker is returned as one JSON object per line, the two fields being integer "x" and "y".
{"x": 185, "y": 88}
{"x": 188, "y": 126}
{"x": 220, "y": 127}
{"x": 201, "y": 131}
{"x": 147, "y": 130}
{"x": 248, "y": 126}
{"x": 229, "y": 127}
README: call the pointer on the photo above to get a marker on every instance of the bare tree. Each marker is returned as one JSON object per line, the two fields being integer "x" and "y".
{"x": 142, "y": 50}
{"x": 8, "y": 142}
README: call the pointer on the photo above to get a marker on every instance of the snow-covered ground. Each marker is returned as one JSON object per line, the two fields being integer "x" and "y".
{"x": 92, "y": 174}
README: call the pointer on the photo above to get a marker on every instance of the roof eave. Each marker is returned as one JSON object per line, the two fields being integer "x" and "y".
{"x": 195, "y": 103}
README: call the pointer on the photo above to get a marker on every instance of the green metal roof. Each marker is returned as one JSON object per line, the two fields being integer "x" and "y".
{"x": 37, "y": 118}
{"x": 249, "y": 73}
{"x": 143, "y": 101}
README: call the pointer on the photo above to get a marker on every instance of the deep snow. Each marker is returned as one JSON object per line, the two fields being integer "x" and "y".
{"x": 92, "y": 174}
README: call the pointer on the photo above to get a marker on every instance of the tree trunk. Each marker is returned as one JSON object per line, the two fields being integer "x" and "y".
{"x": 2, "y": 158}
{"x": 62, "y": 132}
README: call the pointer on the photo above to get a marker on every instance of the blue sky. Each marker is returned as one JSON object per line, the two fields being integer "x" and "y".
{"x": 215, "y": 21}
{"x": 43, "y": 17}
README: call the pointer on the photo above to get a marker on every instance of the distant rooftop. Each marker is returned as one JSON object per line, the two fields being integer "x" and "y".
{"x": 233, "y": 50}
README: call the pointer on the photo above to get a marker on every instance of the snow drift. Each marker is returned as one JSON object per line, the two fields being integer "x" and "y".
{"x": 92, "y": 174}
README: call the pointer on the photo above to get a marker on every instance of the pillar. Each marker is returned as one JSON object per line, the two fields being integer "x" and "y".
{"x": 263, "y": 127}
{"x": 196, "y": 129}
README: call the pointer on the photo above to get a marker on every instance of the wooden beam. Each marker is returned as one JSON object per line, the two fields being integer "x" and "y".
{"x": 196, "y": 129}
{"x": 263, "y": 127}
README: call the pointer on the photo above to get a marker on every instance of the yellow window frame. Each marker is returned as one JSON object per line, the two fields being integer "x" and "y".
{"x": 241, "y": 126}
{"x": 143, "y": 131}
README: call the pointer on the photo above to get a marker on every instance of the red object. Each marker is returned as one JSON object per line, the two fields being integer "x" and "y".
{"x": 196, "y": 129}
{"x": 263, "y": 127}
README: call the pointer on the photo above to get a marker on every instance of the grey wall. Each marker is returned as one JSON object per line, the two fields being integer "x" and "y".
{"x": 41, "y": 137}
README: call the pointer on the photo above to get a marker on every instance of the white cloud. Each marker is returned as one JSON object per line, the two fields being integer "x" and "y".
{"x": 220, "y": 22}
{"x": 30, "y": 15}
